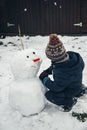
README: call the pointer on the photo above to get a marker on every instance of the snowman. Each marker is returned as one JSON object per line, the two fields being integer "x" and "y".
{"x": 26, "y": 92}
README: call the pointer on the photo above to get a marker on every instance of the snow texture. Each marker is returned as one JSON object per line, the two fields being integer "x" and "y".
{"x": 23, "y": 65}
{"x": 51, "y": 117}
{"x": 26, "y": 93}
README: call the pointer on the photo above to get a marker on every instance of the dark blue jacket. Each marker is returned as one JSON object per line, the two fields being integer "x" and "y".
{"x": 67, "y": 76}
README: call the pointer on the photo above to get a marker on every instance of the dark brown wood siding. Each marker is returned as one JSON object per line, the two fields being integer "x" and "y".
{"x": 3, "y": 16}
{"x": 42, "y": 17}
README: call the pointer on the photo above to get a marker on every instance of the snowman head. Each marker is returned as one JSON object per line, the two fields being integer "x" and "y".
{"x": 25, "y": 64}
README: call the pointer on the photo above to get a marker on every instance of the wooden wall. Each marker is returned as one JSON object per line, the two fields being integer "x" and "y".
{"x": 43, "y": 16}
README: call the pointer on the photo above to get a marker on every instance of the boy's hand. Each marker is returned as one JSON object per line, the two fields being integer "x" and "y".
{"x": 43, "y": 75}
{"x": 49, "y": 70}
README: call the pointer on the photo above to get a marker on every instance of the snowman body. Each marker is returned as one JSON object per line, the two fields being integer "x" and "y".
{"x": 26, "y": 93}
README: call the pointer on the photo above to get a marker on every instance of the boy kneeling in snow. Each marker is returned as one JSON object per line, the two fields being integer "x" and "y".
{"x": 66, "y": 68}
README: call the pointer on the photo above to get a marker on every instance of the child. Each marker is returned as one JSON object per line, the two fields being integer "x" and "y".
{"x": 66, "y": 69}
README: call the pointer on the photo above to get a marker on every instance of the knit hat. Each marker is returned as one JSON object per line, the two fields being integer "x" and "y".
{"x": 55, "y": 50}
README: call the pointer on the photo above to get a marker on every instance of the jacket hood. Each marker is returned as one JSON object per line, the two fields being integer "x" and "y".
{"x": 75, "y": 62}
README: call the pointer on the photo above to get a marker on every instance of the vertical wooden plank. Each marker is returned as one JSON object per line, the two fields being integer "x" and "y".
{"x": 3, "y": 17}
{"x": 69, "y": 13}
{"x": 30, "y": 17}
{"x": 44, "y": 17}
{"x": 83, "y": 4}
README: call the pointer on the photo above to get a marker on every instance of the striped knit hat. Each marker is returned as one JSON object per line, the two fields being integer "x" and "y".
{"x": 55, "y": 50}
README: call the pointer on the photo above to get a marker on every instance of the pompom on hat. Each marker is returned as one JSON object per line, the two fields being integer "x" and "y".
{"x": 55, "y": 50}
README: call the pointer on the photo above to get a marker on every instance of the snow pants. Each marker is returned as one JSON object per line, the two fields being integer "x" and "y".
{"x": 59, "y": 99}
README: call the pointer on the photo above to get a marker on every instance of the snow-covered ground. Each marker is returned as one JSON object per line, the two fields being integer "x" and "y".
{"x": 51, "y": 118}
